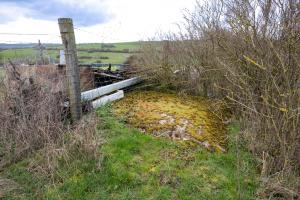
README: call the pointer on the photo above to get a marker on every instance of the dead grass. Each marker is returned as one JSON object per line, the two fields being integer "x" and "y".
{"x": 83, "y": 140}
{"x": 7, "y": 186}
{"x": 31, "y": 117}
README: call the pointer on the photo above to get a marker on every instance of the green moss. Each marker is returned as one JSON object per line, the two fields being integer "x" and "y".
{"x": 162, "y": 112}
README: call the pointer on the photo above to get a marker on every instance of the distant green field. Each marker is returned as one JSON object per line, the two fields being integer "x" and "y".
{"x": 131, "y": 46}
{"x": 83, "y": 56}
{"x": 110, "y": 57}
{"x": 16, "y": 53}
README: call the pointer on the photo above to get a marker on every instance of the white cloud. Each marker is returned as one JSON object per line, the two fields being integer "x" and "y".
{"x": 10, "y": 12}
{"x": 129, "y": 20}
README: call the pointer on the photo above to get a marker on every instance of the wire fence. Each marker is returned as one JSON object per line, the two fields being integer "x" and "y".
{"x": 36, "y": 98}
{"x": 29, "y": 52}
{"x": 52, "y": 80}
{"x": 39, "y": 63}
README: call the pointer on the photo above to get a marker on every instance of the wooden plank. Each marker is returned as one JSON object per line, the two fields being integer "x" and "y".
{"x": 108, "y": 75}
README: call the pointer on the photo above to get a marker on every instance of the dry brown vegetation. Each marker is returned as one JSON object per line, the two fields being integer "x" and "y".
{"x": 249, "y": 53}
{"x": 82, "y": 141}
{"x": 30, "y": 117}
{"x": 33, "y": 119}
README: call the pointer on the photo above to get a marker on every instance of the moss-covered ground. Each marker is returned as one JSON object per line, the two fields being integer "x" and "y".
{"x": 166, "y": 114}
{"x": 134, "y": 165}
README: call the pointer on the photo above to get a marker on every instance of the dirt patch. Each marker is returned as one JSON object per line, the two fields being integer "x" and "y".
{"x": 182, "y": 118}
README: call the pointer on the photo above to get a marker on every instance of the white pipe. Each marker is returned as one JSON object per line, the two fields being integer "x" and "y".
{"x": 92, "y": 94}
{"x": 62, "y": 59}
{"x": 106, "y": 99}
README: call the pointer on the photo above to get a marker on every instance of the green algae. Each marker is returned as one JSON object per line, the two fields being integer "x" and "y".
{"x": 183, "y": 118}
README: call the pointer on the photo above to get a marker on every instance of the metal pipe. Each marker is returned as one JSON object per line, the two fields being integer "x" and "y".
{"x": 106, "y": 99}
{"x": 92, "y": 94}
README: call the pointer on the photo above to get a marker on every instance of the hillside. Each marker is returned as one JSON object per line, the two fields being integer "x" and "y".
{"x": 87, "y": 53}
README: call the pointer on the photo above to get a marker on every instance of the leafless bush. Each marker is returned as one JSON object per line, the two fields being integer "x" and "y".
{"x": 33, "y": 120}
{"x": 31, "y": 116}
{"x": 182, "y": 62}
{"x": 248, "y": 52}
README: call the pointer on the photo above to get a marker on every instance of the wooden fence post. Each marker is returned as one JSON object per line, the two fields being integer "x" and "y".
{"x": 72, "y": 69}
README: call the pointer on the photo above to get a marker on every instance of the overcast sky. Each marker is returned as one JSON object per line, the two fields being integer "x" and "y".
{"x": 96, "y": 20}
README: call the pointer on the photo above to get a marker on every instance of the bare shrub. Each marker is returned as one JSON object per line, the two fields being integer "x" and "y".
{"x": 248, "y": 52}
{"x": 31, "y": 116}
{"x": 262, "y": 70}
{"x": 33, "y": 121}
{"x": 181, "y": 62}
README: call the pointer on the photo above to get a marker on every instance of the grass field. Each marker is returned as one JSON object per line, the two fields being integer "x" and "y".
{"x": 138, "y": 166}
{"x": 132, "y": 46}
{"x": 84, "y": 56}
{"x": 117, "y": 58}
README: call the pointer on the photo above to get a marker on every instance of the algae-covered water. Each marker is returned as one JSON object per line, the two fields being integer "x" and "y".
{"x": 185, "y": 118}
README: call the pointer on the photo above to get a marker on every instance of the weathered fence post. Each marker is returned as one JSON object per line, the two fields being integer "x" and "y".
{"x": 72, "y": 69}
{"x": 40, "y": 48}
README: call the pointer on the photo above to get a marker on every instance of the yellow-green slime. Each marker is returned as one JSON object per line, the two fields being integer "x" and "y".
{"x": 158, "y": 112}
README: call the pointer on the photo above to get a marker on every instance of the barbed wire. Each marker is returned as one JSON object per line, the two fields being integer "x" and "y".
{"x": 14, "y": 41}
{"x": 86, "y": 31}
{"x": 102, "y": 36}
{"x": 29, "y": 34}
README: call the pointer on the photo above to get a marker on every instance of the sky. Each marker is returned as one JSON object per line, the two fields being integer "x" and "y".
{"x": 95, "y": 21}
